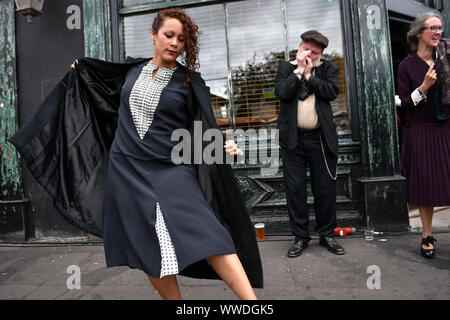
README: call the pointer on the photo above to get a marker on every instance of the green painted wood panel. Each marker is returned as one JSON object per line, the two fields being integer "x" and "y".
{"x": 97, "y": 29}
{"x": 375, "y": 88}
{"x": 9, "y": 158}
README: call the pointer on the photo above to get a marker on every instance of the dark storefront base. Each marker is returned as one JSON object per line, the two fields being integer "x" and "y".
{"x": 370, "y": 190}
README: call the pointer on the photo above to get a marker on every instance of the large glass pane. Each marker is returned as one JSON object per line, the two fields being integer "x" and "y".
{"x": 323, "y": 16}
{"x": 256, "y": 47}
{"x": 212, "y": 56}
{"x": 137, "y": 32}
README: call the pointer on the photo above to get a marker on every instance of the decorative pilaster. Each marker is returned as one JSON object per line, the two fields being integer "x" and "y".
{"x": 97, "y": 29}
{"x": 384, "y": 192}
{"x": 11, "y": 202}
{"x": 9, "y": 161}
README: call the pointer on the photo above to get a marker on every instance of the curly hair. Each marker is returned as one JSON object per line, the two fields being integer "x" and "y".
{"x": 191, "y": 32}
{"x": 417, "y": 28}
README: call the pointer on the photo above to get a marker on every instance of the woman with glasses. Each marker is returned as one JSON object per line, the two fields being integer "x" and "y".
{"x": 425, "y": 157}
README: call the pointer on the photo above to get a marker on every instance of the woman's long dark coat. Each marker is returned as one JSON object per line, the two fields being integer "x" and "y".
{"x": 66, "y": 147}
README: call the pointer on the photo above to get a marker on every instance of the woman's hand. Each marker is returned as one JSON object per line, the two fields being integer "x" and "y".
{"x": 430, "y": 79}
{"x": 232, "y": 148}
{"x": 73, "y": 64}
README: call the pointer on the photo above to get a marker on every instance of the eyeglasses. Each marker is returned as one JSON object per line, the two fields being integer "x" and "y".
{"x": 434, "y": 28}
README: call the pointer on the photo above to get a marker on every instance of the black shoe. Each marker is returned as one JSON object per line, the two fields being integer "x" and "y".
{"x": 428, "y": 253}
{"x": 331, "y": 245}
{"x": 297, "y": 248}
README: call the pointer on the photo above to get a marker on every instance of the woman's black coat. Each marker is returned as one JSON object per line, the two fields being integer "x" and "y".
{"x": 66, "y": 148}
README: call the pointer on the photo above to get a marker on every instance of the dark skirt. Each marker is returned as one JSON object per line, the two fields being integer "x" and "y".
{"x": 133, "y": 189}
{"x": 425, "y": 162}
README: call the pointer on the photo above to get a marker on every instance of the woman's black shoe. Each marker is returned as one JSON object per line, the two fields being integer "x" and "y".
{"x": 427, "y": 253}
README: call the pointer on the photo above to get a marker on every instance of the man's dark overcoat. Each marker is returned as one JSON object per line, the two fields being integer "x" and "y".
{"x": 289, "y": 89}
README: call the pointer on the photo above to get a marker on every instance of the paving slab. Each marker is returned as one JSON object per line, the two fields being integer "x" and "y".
{"x": 40, "y": 272}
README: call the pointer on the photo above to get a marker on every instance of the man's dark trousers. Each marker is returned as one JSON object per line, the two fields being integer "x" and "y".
{"x": 308, "y": 151}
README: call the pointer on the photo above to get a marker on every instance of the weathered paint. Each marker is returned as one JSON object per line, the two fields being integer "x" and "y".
{"x": 375, "y": 88}
{"x": 97, "y": 29}
{"x": 383, "y": 195}
{"x": 9, "y": 158}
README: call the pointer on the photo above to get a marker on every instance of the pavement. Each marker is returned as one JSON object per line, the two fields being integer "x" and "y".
{"x": 386, "y": 268}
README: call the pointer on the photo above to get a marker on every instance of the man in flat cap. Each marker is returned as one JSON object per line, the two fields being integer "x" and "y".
{"x": 307, "y": 134}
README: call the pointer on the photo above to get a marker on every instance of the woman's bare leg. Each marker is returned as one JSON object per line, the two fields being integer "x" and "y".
{"x": 167, "y": 287}
{"x": 426, "y": 215}
{"x": 230, "y": 269}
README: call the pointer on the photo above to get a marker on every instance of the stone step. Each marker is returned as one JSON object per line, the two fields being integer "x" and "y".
{"x": 279, "y": 224}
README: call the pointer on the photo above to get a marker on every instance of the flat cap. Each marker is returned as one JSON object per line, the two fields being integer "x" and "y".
{"x": 316, "y": 37}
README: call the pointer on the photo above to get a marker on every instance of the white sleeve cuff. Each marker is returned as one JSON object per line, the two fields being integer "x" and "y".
{"x": 417, "y": 98}
{"x": 398, "y": 101}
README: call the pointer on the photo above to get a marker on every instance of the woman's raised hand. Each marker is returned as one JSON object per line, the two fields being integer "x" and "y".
{"x": 430, "y": 79}
{"x": 73, "y": 64}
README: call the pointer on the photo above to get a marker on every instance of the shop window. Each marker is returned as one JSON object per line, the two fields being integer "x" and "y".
{"x": 241, "y": 45}
{"x": 138, "y": 35}
{"x": 257, "y": 47}
{"x": 212, "y": 57}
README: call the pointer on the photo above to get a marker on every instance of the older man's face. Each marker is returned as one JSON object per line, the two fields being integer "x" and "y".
{"x": 316, "y": 51}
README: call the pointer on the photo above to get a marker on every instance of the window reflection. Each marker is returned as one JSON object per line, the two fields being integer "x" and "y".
{"x": 213, "y": 57}
{"x": 138, "y": 35}
{"x": 256, "y": 49}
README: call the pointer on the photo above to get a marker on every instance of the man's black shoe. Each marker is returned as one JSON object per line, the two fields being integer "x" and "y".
{"x": 331, "y": 245}
{"x": 297, "y": 248}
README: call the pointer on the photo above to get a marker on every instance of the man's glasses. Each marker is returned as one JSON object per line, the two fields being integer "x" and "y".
{"x": 434, "y": 28}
